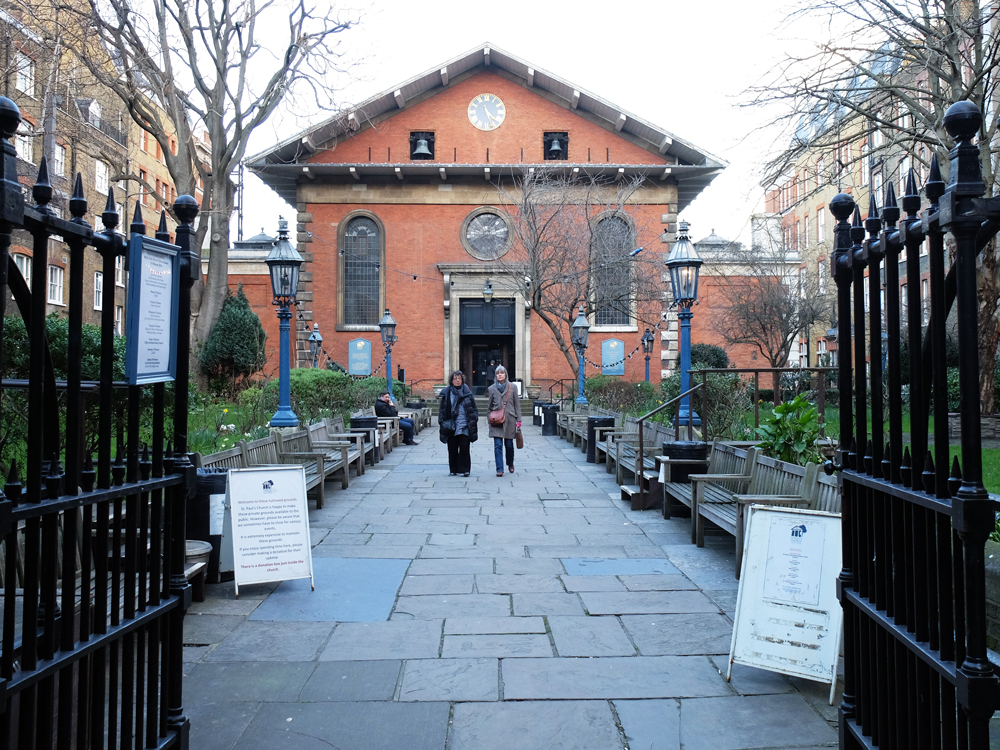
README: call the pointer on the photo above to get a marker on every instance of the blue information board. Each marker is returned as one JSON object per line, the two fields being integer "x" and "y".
{"x": 153, "y": 289}
{"x": 613, "y": 357}
{"x": 359, "y": 357}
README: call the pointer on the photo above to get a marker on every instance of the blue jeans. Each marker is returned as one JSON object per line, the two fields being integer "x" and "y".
{"x": 498, "y": 446}
{"x": 406, "y": 425}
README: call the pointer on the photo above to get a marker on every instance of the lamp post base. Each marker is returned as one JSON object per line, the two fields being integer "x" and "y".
{"x": 581, "y": 400}
{"x": 682, "y": 417}
{"x": 284, "y": 418}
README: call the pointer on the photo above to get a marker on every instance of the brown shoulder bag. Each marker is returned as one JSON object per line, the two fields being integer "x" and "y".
{"x": 497, "y": 415}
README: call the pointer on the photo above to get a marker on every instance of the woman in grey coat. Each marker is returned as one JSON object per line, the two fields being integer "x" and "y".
{"x": 503, "y": 395}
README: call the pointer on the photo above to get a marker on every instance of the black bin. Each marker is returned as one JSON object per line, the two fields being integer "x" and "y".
{"x": 536, "y": 413}
{"x": 549, "y": 419}
{"x": 210, "y": 482}
{"x": 367, "y": 423}
{"x": 691, "y": 450}
{"x": 592, "y": 423}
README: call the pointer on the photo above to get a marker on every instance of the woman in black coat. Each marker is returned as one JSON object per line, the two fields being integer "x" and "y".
{"x": 458, "y": 421}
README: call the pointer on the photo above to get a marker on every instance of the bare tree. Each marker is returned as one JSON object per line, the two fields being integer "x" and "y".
{"x": 184, "y": 65}
{"x": 574, "y": 241}
{"x": 767, "y": 304}
{"x": 885, "y": 73}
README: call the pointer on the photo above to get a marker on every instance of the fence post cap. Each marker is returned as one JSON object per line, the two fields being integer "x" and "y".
{"x": 10, "y": 117}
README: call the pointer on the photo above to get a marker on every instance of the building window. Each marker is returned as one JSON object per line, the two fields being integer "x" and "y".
{"x": 362, "y": 261}
{"x": 24, "y": 145}
{"x": 802, "y": 282}
{"x": 94, "y": 114}
{"x": 821, "y": 276}
{"x": 23, "y": 263}
{"x": 904, "y": 303}
{"x": 925, "y": 301}
{"x": 820, "y": 173}
{"x": 59, "y": 162}
{"x": 101, "y": 177}
{"x": 555, "y": 146}
{"x": 25, "y": 78}
{"x": 421, "y": 146}
{"x": 142, "y": 185}
{"x": 98, "y": 291}
{"x": 55, "y": 285}
{"x": 866, "y": 166}
{"x": 805, "y": 231}
{"x": 820, "y": 225}
{"x": 611, "y": 271}
{"x": 486, "y": 235}
{"x": 119, "y": 270}
{"x": 877, "y": 185}
{"x": 119, "y": 320}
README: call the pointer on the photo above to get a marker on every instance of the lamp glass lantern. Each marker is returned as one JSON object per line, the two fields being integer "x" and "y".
{"x": 488, "y": 291}
{"x": 580, "y": 330}
{"x": 647, "y": 342}
{"x": 388, "y": 328}
{"x": 684, "y": 265}
{"x": 283, "y": 263}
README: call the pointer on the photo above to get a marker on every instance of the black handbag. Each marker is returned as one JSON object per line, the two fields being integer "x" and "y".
{"x": 448, "y": 426}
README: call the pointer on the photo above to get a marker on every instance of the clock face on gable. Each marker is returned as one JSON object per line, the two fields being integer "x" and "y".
{"x": 487, "y": 112}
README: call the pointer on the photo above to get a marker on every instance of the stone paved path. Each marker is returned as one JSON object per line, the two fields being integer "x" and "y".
{"x": 533, "y": 612}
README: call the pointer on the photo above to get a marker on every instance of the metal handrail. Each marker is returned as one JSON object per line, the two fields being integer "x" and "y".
{"x": 562, "y": 389}
{"x": 642, "y": 447}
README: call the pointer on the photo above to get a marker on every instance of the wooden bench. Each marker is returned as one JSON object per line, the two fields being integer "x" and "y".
{"x": 336, "y": 459}
{"x": 725, "y": 461}
{"x": 572, "y": 426}
{"x": 264, "y": 452}
{"x": 322, "y": 440}
{"x": 388, "y": 425}
{"x": 377, "y": 442}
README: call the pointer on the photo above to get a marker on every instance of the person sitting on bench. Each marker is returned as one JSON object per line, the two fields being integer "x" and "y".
{"x": 384, "y": 408}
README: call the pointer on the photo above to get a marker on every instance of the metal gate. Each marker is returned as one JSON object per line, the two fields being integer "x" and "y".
{"x": 93, "y": 590}
{"x": 916, "y": 673}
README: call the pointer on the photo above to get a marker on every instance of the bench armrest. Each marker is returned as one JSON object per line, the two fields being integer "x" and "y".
{"x": 771, "y": 499}
{"x": 717, "y": 477}
{"x": 685, "y": 461}
{"x": 333, "y": 443}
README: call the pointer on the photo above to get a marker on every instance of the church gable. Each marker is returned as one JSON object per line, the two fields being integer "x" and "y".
{"x": 518, "y": 139}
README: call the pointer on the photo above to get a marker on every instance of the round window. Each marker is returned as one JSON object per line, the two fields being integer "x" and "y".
{"x": 486, "y": 234}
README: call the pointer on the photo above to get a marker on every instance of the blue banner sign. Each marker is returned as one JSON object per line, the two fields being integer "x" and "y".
{"x": 359, "y": 357}
{"x": 613, "y": 357}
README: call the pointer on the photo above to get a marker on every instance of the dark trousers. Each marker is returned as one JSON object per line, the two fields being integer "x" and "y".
{"x": 459, "y": 460}
{"x": 499, "y": 444}
{"x": 406, "y": 425}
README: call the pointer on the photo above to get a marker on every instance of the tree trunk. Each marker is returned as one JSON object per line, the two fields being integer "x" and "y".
{"x": 213, "y": 293}
{"x": 989, "y": 327}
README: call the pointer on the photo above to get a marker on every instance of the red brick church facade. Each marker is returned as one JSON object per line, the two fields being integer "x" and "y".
{"x": 383, "y": 225}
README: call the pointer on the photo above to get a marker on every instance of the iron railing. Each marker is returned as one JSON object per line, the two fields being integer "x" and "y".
{"x": 912, "y": 587}
{"x": 640, "y": 423}
{"x": 94, "y": 591}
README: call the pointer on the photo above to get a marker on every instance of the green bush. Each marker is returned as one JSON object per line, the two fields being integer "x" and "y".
{"x": 235, "y": 347}
{"x": 729, "y": 399}
{"x": 790, "y": 432}
{"x": 615, "y": 394}
{"x": 712, "y": 357}
{"x": 315, "y": 393}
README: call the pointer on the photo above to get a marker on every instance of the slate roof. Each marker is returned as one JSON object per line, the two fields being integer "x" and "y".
{"x": 281, "y": 166}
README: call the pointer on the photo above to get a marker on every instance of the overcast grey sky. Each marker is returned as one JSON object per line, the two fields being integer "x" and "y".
{"x": 679, "y": 64}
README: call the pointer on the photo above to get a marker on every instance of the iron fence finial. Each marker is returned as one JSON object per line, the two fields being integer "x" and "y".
{"x": 42, "y": 190}
{"x": 78, "y": 202}
{"x": 110, "y": 214}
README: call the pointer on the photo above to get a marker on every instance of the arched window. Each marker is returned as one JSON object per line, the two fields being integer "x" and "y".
{"x": 613, "y": 242}
{"x": 362, "y": 254}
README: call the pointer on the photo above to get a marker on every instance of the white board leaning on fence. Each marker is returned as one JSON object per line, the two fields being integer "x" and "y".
{"x": 270, "y": 520}
{"x": 788, "y": 618}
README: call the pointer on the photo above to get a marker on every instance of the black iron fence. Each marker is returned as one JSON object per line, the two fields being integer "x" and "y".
{"x": 93, "y": 590}
{"x": 916, "y": 673}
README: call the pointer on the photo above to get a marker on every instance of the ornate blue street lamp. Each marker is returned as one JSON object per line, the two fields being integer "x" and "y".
{"x": 647, "y": 348}
{"x": 388, "y": 328}
{"x": 283, "y": 263}
{"x": 579, "y": 332}
{"x": 684, "y": 264}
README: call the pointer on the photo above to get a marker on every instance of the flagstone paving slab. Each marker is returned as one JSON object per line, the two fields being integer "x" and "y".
{"x": 352, "y": 681}
{"x": 218, "y": 726}
{"x": 247, "y": 682}
{"x": 493, "y": 625}
{"x": 518, "y": 584}
{"x": 611, "y": 677}
{"x": 657, "y": 583}
{"x": 501, "y": 646}
{"x": 543, "y": 725}
{"x": 547, "y": 604}
{"x": 651, "y": 724}
{"x": 619, "y": 566}
{"x": 439, "y": 584}
{"x": 528, "y": 566}
{"x": 205, "y": 629}
{"x": 345, "y": 590}
{"x": 450, "y": 680}
{"x": 590, "y": 636}
{"x": 646, "y": 602}
{"x": 751, "y": 681}
{"x": 273, "y": 641}
{"x": 592, "y": 583}
{"x": 460, "y": 605}
{"x": 791, "y": 723}
{"x": 396, "y": 639}
{"x": 657, "y": 635}
{"x": 369, "y": 725}
{"x": 444, "y": 566}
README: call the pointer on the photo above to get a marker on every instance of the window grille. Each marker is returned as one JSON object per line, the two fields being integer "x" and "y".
{"x": 362, "y": 253}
